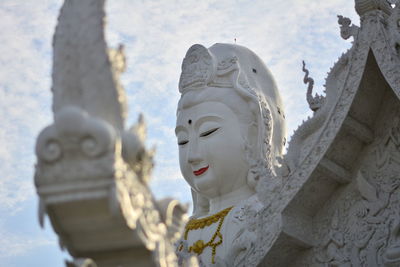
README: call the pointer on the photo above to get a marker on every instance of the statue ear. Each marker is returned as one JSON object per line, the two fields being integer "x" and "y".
{"x": 252, "y": 136}
{"x": 253, "y": 130}
{"x": 253, "y": 153}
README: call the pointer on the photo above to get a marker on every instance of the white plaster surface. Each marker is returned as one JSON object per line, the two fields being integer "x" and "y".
{"x": 332, "y": 200}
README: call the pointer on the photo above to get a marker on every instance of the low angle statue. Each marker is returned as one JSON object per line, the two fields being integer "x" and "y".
{"x": 230, "y": 129}
{"x": 332, "y": 200}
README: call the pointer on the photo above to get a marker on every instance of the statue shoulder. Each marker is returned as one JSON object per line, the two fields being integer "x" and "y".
{"x": 240, "y": 229}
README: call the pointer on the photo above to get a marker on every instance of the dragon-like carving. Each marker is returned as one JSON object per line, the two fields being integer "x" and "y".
{"x": 88, "y": 161}
{"x": 346, "y": 28}
{"x": 314, "y": 102}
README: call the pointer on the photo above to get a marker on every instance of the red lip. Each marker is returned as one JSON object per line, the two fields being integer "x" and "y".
{"x": 200, "y": 171}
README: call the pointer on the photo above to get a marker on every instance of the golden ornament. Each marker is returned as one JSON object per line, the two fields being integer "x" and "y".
{"x": 195, "y": 224}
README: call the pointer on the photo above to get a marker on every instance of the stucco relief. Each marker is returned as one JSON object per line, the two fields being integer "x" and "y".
{"x": 361, "y": 227}
{"x": 88, "y": 155}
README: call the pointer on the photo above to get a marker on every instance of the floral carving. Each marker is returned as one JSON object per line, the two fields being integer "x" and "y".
{"x": 198, "y": 68}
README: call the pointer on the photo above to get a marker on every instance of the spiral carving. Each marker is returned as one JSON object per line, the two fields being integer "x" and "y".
{"x": 73, "y": 128}
{"x": 97, "y": 140}
{"x": 52, "y": 151}
{"x": 90, "y": 147}
{"x": 48, "y": 148}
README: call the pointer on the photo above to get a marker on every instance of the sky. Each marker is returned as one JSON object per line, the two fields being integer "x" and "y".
{"x": 156, "y": 35}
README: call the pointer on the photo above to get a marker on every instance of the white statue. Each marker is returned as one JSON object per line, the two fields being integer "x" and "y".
{"x": 231, "y": 133}
{"x": 251, "y": 208}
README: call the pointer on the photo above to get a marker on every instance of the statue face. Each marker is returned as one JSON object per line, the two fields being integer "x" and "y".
{"x": 211, "y": 149}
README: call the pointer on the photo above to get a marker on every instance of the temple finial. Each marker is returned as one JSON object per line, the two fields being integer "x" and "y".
{"x": 346, "y": 28}
{"x": 364, "y": 6}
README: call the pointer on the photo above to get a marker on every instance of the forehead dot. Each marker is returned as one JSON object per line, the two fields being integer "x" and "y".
{"x": 190, "y": 121}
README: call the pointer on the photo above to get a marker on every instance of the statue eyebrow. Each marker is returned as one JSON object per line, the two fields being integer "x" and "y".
{"x": 198, "y": 122}
{"x": 201, "y": 120}
{"x": 179, "y": 128}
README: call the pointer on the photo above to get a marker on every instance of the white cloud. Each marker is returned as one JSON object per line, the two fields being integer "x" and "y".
{"x": 13, "y": 245}
{"x": 156, "y": 35}
{"x": 281, "y": 32}
{"x": 25, "y": 63}
{"x": 24, "y": 93}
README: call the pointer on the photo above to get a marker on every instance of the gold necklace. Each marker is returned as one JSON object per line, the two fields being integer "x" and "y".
{"x": 195, "y": 224}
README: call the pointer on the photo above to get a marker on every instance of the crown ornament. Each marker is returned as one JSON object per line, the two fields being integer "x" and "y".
{"x": 200, "y": 68}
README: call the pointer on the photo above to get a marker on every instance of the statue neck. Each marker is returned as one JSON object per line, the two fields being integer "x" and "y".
{"x": 230, "y": 199}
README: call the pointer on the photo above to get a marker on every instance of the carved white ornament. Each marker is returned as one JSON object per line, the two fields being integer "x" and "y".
{"x": 332, "y": 200}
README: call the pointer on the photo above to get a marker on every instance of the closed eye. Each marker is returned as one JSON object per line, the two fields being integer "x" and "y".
{"x": 207, "y": 133}
{"x": 184, "y": 142}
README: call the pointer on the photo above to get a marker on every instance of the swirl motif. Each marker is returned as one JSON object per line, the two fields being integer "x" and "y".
{"x": 90, "y": 147}
{"x": 48, "y": 148}
{"x": 52, "y": 151}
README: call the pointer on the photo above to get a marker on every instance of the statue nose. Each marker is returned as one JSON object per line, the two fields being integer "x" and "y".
{"x": 194, "y": 155}
{"x": 194, "y": 158}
